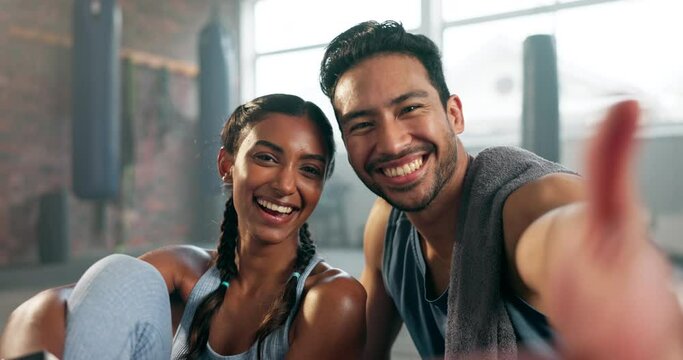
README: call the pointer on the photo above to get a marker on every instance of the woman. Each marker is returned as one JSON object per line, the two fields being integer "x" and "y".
{"x": 262, "y": 294}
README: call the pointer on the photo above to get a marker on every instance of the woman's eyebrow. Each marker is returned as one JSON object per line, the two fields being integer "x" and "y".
{"x": 317, "y": 157}
{"x": 278, "y": 149}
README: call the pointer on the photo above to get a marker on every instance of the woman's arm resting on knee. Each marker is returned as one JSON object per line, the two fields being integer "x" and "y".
{"x": 37, "y": 324}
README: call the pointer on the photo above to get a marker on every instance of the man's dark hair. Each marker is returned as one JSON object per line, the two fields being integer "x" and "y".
{"x": 371, "y": 38}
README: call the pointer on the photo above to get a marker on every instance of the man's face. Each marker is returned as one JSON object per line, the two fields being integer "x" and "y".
{"x": 400, "y": 140}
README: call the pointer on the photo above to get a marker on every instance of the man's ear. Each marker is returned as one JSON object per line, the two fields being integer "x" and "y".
{"x": 454, "y": 113}
{"x": 225, "y": 163}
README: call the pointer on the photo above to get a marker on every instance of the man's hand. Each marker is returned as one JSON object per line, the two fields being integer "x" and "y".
{"x": 610, "y": 290}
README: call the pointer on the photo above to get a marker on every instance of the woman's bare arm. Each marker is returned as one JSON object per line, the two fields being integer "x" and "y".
{"x": 37, "y": 324}
{"x": 331, "y": 321}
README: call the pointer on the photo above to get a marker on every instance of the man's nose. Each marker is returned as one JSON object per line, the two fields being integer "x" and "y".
{"x": 392, "y": 137}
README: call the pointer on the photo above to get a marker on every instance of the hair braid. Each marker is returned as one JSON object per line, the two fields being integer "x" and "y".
{"x": 306, "y": 244}
{"x": 238, "y": 124}
{"x": 225, "y": 263}
{"x": 280, "y": 309}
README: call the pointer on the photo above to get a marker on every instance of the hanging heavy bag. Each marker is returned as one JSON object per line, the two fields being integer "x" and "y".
{"x": 96, "y": 127}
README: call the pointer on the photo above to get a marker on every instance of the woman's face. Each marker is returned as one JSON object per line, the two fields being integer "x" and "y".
{"x": 278, "y": 173}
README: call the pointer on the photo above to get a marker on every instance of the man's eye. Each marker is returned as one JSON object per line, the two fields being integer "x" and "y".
{"x": 410, "y": 108}
{"x": 360, "y": 125}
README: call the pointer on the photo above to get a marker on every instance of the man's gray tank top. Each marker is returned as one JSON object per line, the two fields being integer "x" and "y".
{"x": 405, "y": 278}
{"x": 275, "y": 345}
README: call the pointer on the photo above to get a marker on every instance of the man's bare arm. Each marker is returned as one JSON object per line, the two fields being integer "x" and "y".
{"x": 383, "y": 321}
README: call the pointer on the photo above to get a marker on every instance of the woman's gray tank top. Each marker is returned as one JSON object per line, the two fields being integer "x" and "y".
{"x": 275, "y": 345}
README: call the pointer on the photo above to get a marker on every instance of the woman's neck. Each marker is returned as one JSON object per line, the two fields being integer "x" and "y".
{"x": 262, "y": 265}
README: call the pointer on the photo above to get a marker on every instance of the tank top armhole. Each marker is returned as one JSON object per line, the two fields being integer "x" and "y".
{"x": 388, "y": 250}
{"x": 300, "y": 290}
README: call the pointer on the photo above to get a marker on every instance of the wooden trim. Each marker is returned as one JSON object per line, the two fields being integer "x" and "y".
{"x": 137, "y": 57}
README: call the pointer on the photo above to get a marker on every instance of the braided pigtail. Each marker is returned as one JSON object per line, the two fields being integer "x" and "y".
{"x": 277, "y": 315}
{"x": 201, "y": 322}
{"x": 238, "y": 124}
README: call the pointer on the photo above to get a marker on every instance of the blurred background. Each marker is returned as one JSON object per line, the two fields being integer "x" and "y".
{"x": 158, "y": 78}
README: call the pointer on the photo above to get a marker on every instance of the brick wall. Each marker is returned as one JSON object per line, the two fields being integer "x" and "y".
{"x": 156, "y": 203}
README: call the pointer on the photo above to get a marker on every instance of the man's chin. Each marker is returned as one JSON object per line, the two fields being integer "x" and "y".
{"x": 409, "y": 207}
{"x": 406, "y": 203}
{"x": 403, "y": 198}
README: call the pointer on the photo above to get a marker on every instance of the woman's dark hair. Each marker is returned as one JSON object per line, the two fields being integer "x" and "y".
{"x": 239, "y": 123}
{"x": 371, "y": 38}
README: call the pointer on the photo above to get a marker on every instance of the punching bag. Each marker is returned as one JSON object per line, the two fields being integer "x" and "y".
{"x": 216, "y": 57}
{"x": 96, "y": 127}
{"x": 540, "y": 109}
{"x": 53, "y": 227}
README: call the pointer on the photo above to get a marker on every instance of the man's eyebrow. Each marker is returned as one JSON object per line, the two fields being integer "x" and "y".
{"x": 354, "y": 114}
{"x": 412, "y": 94}
{"x": 397, "y": 100}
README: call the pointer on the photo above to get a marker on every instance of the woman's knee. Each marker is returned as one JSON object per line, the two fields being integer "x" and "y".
{"x": 116, "y": 297}
{"x": 119, "y": 278}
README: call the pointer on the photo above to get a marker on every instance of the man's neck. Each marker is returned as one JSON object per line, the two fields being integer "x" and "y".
{"x": 437, "y": 225}
{"x": 438, "y": 222}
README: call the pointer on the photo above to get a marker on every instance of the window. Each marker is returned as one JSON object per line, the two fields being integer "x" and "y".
{"x": 289, "y": 41}
{"x": 633, "y": 55}
{"x": 290, "y": 24}
{"x": 464, "y": 9}
{"x": 607, "y": 50}
{"x": 483, "y": 65}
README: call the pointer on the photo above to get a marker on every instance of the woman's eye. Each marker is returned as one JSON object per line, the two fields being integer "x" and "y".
{"x": 312, "y": 171}
{"x": 265, "y": 157}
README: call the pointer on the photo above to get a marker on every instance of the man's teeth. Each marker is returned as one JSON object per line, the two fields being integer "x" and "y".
{"x": 274, "y": 207}
{"x": 403, "y": 170}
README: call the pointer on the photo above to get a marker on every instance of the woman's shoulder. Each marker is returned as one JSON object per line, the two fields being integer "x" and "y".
{"x": 180, "y": 265}
{"x": 330, "y": 289}
{"x": 185, "y": 256}
{"x": 331, "y": 318}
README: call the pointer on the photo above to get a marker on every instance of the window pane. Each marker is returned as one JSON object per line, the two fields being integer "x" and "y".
{"x": 633, "y": 54}
{"x": 483, "y": 65}
{"x": 295, "y": 73}
{"x": 462, "y": 9}
{"x": 283, "y": 24}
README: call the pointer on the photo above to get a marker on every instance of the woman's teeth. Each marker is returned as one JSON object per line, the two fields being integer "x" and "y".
{"x": 274, "y": 207}
{"x": 404, "y": 170}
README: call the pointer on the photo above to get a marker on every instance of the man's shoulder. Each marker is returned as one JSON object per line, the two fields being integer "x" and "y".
{"x": 375, "y": 232}
{"x": 504, "y": 154}
{"x": 501, "y": 164}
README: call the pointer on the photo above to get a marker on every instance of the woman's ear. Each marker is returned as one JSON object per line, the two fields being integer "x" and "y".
{"x": 225, "y": 163}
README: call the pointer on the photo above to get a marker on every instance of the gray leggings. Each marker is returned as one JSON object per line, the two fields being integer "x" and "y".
{"x": 119, "y": 309}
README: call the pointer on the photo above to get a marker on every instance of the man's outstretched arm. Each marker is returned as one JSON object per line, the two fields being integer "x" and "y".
{"x": 604, "y": 285}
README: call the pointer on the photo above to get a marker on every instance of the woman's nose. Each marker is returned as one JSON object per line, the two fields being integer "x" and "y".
{"x": 285, "y": 183}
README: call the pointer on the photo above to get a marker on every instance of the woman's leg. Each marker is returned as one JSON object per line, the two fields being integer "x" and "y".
{"x": 119, "y": 309}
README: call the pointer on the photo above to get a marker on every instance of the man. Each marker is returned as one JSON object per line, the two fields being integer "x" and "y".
{"x": 471, "y": 252}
